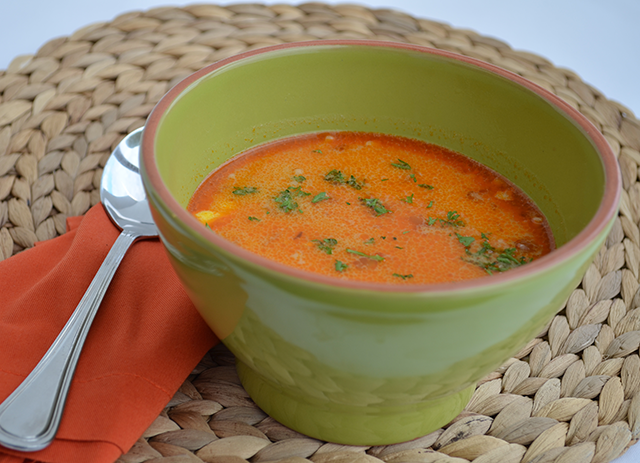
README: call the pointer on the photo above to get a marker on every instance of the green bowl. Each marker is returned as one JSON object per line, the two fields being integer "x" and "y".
{"x": 355, "y": 362}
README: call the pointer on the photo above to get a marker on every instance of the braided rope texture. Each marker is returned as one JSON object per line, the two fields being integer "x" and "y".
{"x": 571, "y": 395}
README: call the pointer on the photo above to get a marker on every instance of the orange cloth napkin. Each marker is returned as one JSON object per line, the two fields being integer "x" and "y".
{"x": 145, "y": 339}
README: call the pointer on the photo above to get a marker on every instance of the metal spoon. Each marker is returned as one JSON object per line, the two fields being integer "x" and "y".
{"x": 30, "y": 416}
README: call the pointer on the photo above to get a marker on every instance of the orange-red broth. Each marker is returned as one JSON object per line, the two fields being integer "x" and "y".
{"x": 372, "y": 207}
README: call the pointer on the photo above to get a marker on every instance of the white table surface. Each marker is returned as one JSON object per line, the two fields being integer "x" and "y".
{"x": 598, "y": 39}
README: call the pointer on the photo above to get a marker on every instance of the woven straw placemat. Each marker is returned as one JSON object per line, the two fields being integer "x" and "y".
{"x": 572, "y": 395}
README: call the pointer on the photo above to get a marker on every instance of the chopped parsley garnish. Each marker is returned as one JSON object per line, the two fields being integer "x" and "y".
{"x": 317, "y": 151}
{"x": 370, "y": 241}
{"x": 398, "y": 247}
{"x": 430, "y": 205}
{"x": 206, "y": 225}
{"x": 298, "y": 191}
{"x": 326, "y": 245}
{"x": 466, "y": 241}
{"x": 408, "y": 199}
{"x": 320, "y": 197}
{"x": 376, "y": 205}
{"x": 424, "y": 185}
{"x": 358, "y": 253}
{"x": 340, "y": 266}
{"x": 353, "y": 183}
{"x": 254, "y": 219}
{"x": 494, "y": 260}
{"x": 334, "y": 176}
{"x": 486, "y": 246}
{"x": 299, "y": 178}
{"x": 404, "y": 277}
{"x": 337, "y": 177}
{"x": 286, "y": 201}
{"x": 384, "y": 180}
{"x": 405, "y": 232}
{"x": 401, "y": 165}
{"x": 244, "y": 191}
{"x": 505, "y": 261}
{"x": 506, "y": 258}
{"x": 453, "y": 219}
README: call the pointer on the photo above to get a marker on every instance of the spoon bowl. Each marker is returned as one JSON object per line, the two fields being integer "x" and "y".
{"x": 30, "y": 416}
{"x": 121, "y": 190}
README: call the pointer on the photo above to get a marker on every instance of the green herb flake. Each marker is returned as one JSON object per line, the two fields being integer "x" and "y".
{"x": 254, "y": 219}
{"x": 244, "y": 191}
{"x": 286, "y": 202}
{"x": 493, "y": 260}
{"x": 285, "y": 199}
{"x": 334, "y": 176}
{"x": 507, "y": 257}
{"x": 398, "y": 247}
{"x": 206, "y": 225}
{"x": 299, "y": 178}
{"x": 413, "y": 177}
{"x": 408, "y": 199}
{"x": 383, "y": 237}
{"x": 317, "y": 151}
{"x": 353, "y": 183}
{"x": 401, "y": 165}
{"x": 370, "y": 242}
{"x": 358, "y": 253}
{"x": 405, "y": 232}
{"x": 424, "y": 185}
{"x": 466, "y": 241}
{"x": 340, "y": 266}
{"x": 430, "y": 205}
{"x": 404, "y": 277}
{"x": 485, "y": 248}
{"x": 431, "y": 221}
{"x": 348, "y": 203}
{"x": 376, "y": 205}
{"x": 453, "y": 219}
{"x": 320, "y": 197}
{"x": 298, "y": 191}
{"x": 337, "y": 177}
{"x": 326, "y": 245}
{"x": 384, "y": 180}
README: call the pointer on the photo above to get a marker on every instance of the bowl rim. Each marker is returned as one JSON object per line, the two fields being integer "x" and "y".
{"x": 606, "y": 211}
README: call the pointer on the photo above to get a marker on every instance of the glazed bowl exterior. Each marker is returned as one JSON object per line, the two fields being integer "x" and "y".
{"x": 362, "y": 363}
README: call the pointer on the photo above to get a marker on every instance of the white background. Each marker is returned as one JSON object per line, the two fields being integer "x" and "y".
{"x": 598, "y": 39}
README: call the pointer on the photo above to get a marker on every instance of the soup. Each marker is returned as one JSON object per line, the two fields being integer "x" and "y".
{"x": 372, "y": 207}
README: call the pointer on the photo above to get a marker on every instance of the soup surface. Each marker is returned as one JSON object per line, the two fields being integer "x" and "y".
{"x": 372, "y": 207}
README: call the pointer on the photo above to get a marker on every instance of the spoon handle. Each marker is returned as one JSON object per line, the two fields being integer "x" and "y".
{"x": 30, "y": 416}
